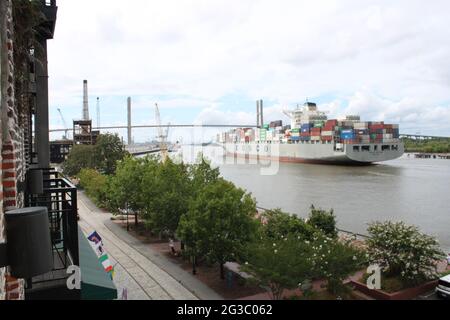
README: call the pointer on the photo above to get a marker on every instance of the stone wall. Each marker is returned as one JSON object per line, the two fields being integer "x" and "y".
{"x": 2, "y": 90}
{"x": 13, "y": 163}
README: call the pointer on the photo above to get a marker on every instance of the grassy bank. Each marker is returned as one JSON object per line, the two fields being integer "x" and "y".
{"x": 427, "y": 146}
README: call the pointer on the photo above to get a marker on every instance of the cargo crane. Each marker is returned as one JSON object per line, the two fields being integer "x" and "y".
{"x": 162, "y": 136}
{"x": 65, "y": 137}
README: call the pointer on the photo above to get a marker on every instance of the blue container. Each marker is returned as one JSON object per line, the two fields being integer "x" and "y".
{"x": 305, "y": 138}
{"x": 295, "y": 138}
{"x": 347, "y": 136}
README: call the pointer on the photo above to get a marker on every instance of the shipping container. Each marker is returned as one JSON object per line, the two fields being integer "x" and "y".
{"x": 278, "y": 123}
{"x": 327, "y": 138}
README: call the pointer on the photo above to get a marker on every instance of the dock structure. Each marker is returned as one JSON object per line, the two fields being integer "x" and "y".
{"x": 432, "y": 156}
{"x": 422, "y": 137}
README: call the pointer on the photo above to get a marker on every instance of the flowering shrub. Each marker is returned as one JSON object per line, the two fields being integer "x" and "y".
{"x": 334, "y": 261}
{"x": 404, "y": 251}
{"x": 280, "y": 263}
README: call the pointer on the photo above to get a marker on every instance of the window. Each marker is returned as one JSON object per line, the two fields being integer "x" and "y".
{"x": 356, "y": 148}
{"x": 375, "y": 148}
{"x": 386, "y": 148}
{"x": 366, "y": 148}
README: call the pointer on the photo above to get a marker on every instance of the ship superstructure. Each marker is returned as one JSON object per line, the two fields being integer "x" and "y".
{"x": 312, "y": 137}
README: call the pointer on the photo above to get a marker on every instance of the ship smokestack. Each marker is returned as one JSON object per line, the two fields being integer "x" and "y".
{"x": 85, "y": 101}
{"x": 258, "y": 117}
{"x": 261, "y": 112}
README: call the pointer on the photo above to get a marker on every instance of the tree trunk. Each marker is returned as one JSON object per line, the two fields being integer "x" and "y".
{"x": 136, "y": 222}
{"x": 222, "y": 271}
{"x": 194, "y": 265}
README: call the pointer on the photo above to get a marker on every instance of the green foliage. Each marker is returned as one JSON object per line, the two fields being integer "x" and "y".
{"x": 324, "y": 221}
{"x": 108, "y": 150}
{"x": 404, "y": 251}
{"x": 95, "y": 185}
{"x": 280, "y": 224}
{"x": 202, "y": 174}
{"x": 102, "y": 157}
{"x": 126, "y": 184}
{"x": 334, "y": 261}
{"x": 427, "y": 146}
{"x": 219, "y": 223}
{"x": 279, "y": 264}
{"x": 80, "y": 157}
{"x": 165, "y": 194}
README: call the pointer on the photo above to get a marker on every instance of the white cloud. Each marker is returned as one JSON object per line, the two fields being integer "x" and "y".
{"x": 283, "y": 51}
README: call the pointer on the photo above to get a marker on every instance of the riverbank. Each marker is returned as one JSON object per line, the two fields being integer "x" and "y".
{"x": 439, "y": 156}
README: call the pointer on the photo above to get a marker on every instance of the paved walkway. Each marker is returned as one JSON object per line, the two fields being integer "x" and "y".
{"x": 142, "y": 271}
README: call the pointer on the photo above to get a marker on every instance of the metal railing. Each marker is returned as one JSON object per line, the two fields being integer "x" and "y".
{"x": 60, "y": 198}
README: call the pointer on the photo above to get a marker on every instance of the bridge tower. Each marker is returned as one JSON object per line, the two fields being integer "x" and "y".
{"x": 130, "y": 138}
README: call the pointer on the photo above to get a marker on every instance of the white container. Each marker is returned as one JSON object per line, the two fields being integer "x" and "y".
{"x": 361, "y": 125}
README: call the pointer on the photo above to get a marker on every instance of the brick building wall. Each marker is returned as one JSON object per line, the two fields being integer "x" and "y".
{"x": 2, "y": 89}
{"x": 13, "y": 162}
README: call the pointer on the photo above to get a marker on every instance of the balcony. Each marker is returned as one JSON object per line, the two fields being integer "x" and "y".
{"x": 60, "y": 198}
{"x": 69, "y": 247}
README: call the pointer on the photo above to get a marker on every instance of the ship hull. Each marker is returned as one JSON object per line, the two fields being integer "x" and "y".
{"x": 364, "y": 154}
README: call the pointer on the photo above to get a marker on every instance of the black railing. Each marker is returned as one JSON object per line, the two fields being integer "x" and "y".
{"x": 60, "y": 198}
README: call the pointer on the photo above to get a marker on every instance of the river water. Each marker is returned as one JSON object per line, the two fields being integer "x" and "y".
{"x": 407, "y": 189}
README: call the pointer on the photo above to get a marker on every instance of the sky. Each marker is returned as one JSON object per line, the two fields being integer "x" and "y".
{"x": 208, "y": 61}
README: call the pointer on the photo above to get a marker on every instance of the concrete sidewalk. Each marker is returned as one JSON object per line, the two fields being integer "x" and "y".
{"x": 142, "y": 271}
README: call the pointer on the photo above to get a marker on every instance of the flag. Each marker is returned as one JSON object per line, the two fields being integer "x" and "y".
{"x": 95, "y": 238}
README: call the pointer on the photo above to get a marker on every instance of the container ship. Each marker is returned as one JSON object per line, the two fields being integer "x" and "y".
{"x": 313, "y": 138}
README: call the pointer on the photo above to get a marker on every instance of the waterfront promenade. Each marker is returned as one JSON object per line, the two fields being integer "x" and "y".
{"x": 143, "y": 272}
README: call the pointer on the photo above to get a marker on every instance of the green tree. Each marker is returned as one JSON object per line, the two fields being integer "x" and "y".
{"x": 324, "y": 221}
{"x": 103, "y": 156}
{"x": 219, "y": 223}
{"x": 202, "y": 174}
{"x": 280, "y": 264}
{"x": 125, "y": 187}
{"x": 95, "y": 185}
{"x": 404, "y": 251}
{"x": 334, "y": 261}
{"x": 80, "y": 157}
{"x": 279, "y": 224}
{"x": 165, "y": 194}
{"x": 108, "y": 150}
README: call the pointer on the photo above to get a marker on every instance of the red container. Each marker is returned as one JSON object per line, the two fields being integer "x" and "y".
{"x": 331, "y": 123}
{"x": 305, "y": 134}
{"x": 376, "y": 127}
